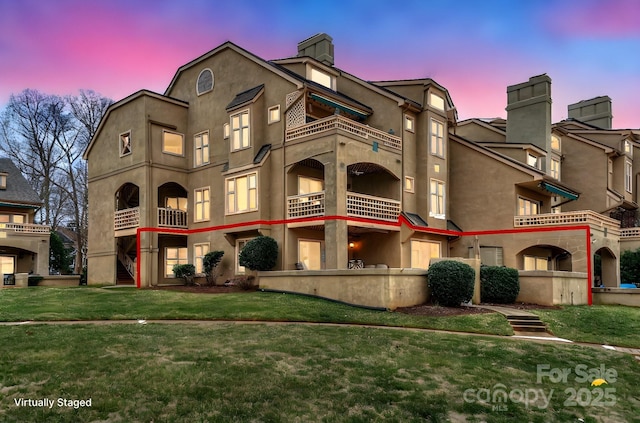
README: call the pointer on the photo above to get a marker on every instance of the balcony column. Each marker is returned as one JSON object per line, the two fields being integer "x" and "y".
{"x": 336, "y": 236}
{"x": 148, "y": 259}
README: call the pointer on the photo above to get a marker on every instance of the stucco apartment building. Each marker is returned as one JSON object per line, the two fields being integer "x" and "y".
{"x": 24, "y": 245}
{"x": 238, "y": 143}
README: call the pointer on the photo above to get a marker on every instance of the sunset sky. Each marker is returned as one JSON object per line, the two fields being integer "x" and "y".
{"x": 474, "y": 48}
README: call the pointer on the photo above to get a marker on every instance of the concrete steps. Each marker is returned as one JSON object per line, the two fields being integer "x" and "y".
{"x": 523, "y": 323}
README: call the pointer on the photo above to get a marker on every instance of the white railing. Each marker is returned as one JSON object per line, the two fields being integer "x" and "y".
{"x": 28, "y": 228}
{"x": 173, "y": 218}
{"x": 127, "y": 262}
{"x": 368, "y": 206}
{"x": 584, "y": 217}
{"x": 348, "y": 125}
{"x": 630, "y": 233}
{"x": 306, "y": 205}
{"x": 127, "y": 218}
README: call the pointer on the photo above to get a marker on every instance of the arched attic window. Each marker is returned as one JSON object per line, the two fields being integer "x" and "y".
{"x": 205, "y": 81}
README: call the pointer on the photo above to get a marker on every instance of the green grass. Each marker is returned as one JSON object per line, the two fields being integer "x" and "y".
{"x": 112, "y": 304}
{"x": 600, "y": 324}
{"x": 225, "y": 372}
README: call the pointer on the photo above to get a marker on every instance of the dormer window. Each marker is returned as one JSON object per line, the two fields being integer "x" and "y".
{"x": 322, "y": 78}
{"x": 628, "y": 150}
{"x": 205, "y": 82}
{"x": 3, "y": 181}
{"x": 436, "y": 101}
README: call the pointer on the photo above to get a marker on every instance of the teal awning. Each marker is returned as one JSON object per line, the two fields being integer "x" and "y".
{"x": 337, "y": 105}
{"x": 558, "y": 191}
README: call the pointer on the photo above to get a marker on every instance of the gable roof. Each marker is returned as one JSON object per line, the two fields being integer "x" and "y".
{"x": 18, "y": 191}
{"x": 245, "y": 97}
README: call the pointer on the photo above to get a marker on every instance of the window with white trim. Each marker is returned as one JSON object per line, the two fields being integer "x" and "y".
{"x": 555, "y": 168}
{"x": 436, "y": 199}
{"x": 310, "y": 253}
{"x": 172, "y": 143}
{"x": 274, "y": 114}
{"x": 628, "y": 176}
{"x": 205, "y": 81}
{"x": 125, "y": 143}
{"x": 409, "y": 184}
{"x": 173, "y": 256}
{"x": 422, "y": 252}
{"x": 199, "y": 251}
{"x": 628, "y": 150}
{"x": 240, "y": 243}
{"x": 536, "y": 263}
{"x": 201, "y": 200}
{"x": 201, "y": 148}
{"x": 527, "y": 207}
{"x": 555, "y": 143}
{"x": 176, "y": 203}
{"x": 225, "y": 131}
{"x": 533, "y": 161}
{"x": 322, "y": 78}
{"x": 436, "y": 101}
{"x": 240, "y": 134}
{"x": 437, "y": 138}
{"x": 242, "y": 193}
{"x": 409, "y": 123}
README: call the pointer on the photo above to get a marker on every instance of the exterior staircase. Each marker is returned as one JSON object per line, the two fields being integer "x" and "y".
{"x": 122, "y": 275}
{"x": 524, "y": 323}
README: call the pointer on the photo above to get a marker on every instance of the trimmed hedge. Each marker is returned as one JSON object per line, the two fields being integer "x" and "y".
{"x": 499, "y": 284}
{"x": 186, "y": 272}
{"x": 261, "y": 253}
{"x": 451, "y": 282}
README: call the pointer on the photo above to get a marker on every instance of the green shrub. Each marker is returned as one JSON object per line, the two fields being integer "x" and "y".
{"x": 261, "y": 253}
{"x": 185, "y": 271}
{"x": 499, "y": 284}
{"x": 629, "y": 266}
{"x": 210, "y": 264}
{"x": 451, "y": 282}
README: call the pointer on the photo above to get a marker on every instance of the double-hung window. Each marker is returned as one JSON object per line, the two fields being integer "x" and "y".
{"x": 436, "y": 197}
{"x": 199, "y": 251}
{"x": 240, "y": 131}
{"x": 201, "y": 204}
{"x": 437, "y": 138}
{"x": 173, "y": 256}
{"x": 555, "y": 168}
{"x": 242, "y": 193}
{"x": 628, "y": 176}
{"x": 201, "y": 146}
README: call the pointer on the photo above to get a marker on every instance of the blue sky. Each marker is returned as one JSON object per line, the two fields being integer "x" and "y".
{"x": 474, "y": 48}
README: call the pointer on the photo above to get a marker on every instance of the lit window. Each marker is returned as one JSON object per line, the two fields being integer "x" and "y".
{"x": 274, "y": 114}
{"x": 535, "y": 263}
{"x": 436, "y": 195}
{"x": 409, "y": 123}
{"x": 240, "y": 243}
{"x": 201, "y": 204}
{"x": 436, "y": 168}
{"x": 628, "y": 176}
{"x": 310, "y": 254}
{"x": 308, "y": 185}
{"x": 176, "y": 203}
{"x": 199, "y": 251}
{"x": 201, "y": 145}
{"x": 527, "y": 207}
{"x": 240, "y": 131}
{"x": 555, "y": 142}
{"x": 322, "y": 78}
{"x": 3, "y": 181}
{"x": 436, "y": 101}
{"x": 437, "y": 138}
{"x": 627, "y": 148}
{"x": 125, "y": 143}
{"x": 533, "y": 161}
{"x": 173, "y": 256}
{"x": 555, "y": 168}
{"x": 242, "y": 194}
{"x": 172, "y": 143}
{"x": 422, "y": 252}
{"x": 205, "y": 81}
{"x": 225, "y": 131}
{"x": 409, "y": 183}
{"x": 7, "y": 265}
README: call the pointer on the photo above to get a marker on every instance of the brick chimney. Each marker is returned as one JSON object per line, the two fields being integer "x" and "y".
{"x": 596, "y": 112}
{"x": 529, "y": 113}
{"x": 320, "y": 47}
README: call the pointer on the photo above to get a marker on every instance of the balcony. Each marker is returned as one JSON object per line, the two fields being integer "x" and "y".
{"x": 333, "y": 123}
{"x": 630, "y": 233}
{"x": 584, "y": 217}
{"x": 172, "y": 218}
{"x": 358, "y": 205}
{"x": 25, "y": 228}
{"x": 127, "y": 218}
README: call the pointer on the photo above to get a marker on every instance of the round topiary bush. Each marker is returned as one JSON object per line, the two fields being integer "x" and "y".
{"x": 499, "y": 284}
{"x": 451, "y": 282}
{"x": 261, "y": 253}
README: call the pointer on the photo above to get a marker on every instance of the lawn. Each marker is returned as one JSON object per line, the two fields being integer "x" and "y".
{"x": 86, "y": 303}
{"x": 612, "y": 325}
{"x": 226, "y": 372}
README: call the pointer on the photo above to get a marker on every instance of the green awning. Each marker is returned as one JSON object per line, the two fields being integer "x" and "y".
{"x": 558, "y": 191}
{"x": 337, "y": 105}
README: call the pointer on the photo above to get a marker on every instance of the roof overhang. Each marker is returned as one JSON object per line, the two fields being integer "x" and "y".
{"x": 336, "y": 104}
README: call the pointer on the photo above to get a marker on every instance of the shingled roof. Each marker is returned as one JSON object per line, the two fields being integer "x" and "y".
{"x": 18, "y": 191}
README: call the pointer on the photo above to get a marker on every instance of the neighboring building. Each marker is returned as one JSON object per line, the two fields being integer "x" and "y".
{"x": 24, "y": 245}
{"x": 236, "y": 140}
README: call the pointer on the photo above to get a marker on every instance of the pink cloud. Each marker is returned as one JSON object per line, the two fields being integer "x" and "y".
{"x": 595, "y": 18}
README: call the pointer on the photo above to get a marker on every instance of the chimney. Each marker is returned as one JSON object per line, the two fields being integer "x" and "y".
{"x": 320, "y": 47}
{"x": 529, "y": 113}
{"x": 596, "y": 111}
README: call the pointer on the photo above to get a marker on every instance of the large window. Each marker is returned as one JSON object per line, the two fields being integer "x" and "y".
{"x": 199, "y": 251}
{"x": 310, "y": 254}
{"x": 436, "y": 101}
{"x": 322, "y": 78}
{"x": 172, "y": 143}
{"x": 11, "y": 218}
{"x": 628, "y": 176}
{"x": 201, "y": 146}
{"x": 436, "y": 196}
{"x": 422, "y": 252}
{"x": 240, "y": 135}
{"x": 528, "y": 207}
{"x": 7, "y": 265}
{"x": 555, "y": 143}
{"x": 201, "y": 204}
{"x": 308, "y": 185}
{"x": 535, "y": 263}
{"x": 437, "y": 138}
{"x": 176, "y": 203}
{"x": 173, "y": 256}
{"x": 242, "y": 193}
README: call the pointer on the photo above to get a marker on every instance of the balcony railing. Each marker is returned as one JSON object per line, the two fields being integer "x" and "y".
{"x": 348, "y": 125}
{"x": 584, "y": 217}
{"x": 28, "y": 228}
{"x": 127, "y": 218}
{"x": 630, "y": 233}
{"x": 368, "y": 206}
{"x": 306, "y": 205}
{"x": 173, "y": 218}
